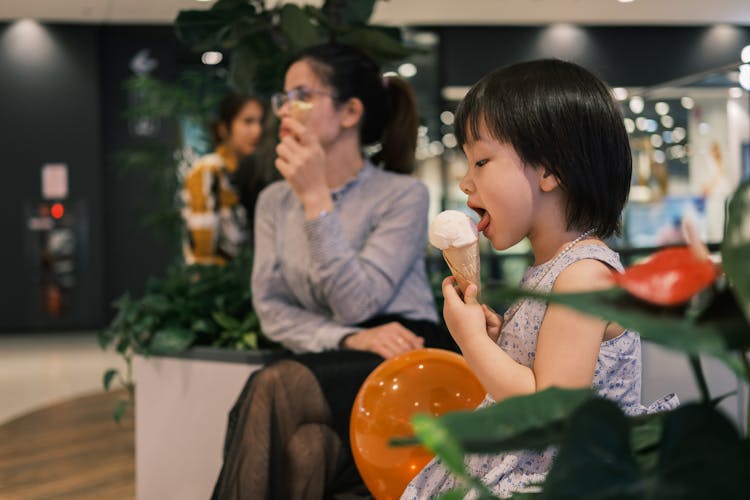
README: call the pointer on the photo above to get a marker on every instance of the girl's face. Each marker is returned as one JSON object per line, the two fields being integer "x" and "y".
{"x": 501, "y": 189}
{"x": 323, "y": 118}
{"x": 245, "y": 130}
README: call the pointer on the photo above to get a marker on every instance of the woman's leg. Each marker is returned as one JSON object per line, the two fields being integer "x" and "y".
{"x": 315, "y": 458}
{"x": 278, "y": 401}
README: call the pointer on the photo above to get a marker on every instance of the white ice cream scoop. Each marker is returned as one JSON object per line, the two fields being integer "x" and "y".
{"x": 455, "y": 233}
{"x": 452, "y": 228}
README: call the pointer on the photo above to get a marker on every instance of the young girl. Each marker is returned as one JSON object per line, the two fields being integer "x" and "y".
{"x": 548, "y": 159}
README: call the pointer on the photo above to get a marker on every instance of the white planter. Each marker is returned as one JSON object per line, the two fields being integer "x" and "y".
{"x": 181, "y": 409}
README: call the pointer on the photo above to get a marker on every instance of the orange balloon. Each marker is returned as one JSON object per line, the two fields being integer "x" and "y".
{"x": 432, "y": 381}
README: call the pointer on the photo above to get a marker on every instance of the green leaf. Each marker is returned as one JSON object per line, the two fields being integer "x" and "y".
{"x": 702, "y": 456}
{"x": 616, "y": 305}
{"x": 225, "y": 321}
{"x": 171, "y": 340}
{"x": 200, "y": 325}
{"x": 109, "y": 375}
{"x": 378, "y": 44}
{"x": 250, "y": 340}
{"x": 105, "y": 337}
{"x": 356, "y": 12}
{"x": 456, "y": 494}
{"x": 735, "y": 250}
{"x": 644, "y": 440}
{"x": 204, "y": 29}
{"x": 299, "y": 31}
{"x": 594, "y": 459}
{"x": 530, "y": 421}
{"x": 120, "y": 410}
{"x": 437, "y": 438}
{"x": 156, "y": 303}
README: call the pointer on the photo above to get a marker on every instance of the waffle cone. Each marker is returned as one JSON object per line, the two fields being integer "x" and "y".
{"x": 464, "y": 264}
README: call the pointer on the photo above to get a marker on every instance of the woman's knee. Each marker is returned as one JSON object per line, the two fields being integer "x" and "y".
{"x": 280, "y": 374}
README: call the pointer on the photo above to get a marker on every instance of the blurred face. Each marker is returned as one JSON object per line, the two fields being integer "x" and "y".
{"x": 245, "y": 130}
{"x": 320, "y": 114}
{"x": 501, "y": 189}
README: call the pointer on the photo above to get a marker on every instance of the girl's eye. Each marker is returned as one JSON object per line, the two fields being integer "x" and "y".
{"x": 481, "y": 163}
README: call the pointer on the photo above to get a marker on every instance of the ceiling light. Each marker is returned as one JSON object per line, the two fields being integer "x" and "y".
{"x": 211, "y": 57}
{"x": 636, "y": 104}
{"x": 407, "y": 70}
{"x": 620, "y": 93}
{"x": 687, "y": 102}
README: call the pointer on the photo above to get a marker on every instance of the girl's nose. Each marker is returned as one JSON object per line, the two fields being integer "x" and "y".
{"x": 466, "y": 185}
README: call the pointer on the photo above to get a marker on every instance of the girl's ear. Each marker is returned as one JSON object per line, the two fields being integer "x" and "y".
{"x": 352, "y": 112}
{"x": 547, "y": 180}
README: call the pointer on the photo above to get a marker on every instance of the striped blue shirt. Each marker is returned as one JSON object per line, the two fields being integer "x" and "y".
{"x": 313, "y": 280}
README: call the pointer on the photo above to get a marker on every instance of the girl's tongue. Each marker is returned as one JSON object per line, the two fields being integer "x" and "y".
{"x": 484, "y": 222}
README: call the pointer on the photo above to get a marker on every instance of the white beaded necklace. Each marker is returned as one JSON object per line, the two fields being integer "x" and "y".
{"x": 508, "y": 315}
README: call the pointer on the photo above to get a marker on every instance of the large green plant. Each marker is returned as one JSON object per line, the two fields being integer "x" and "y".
{"x": 261, "y": 39}
{"x": 198, "y": 305}
{"x": 692, "y": 452}
{"x": 162, "y": 161}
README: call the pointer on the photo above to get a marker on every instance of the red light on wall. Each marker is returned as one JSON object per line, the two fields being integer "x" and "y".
{"x": 57, "y": 210}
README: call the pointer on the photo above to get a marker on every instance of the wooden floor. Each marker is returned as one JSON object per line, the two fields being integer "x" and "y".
{"x": 70, "y": 450}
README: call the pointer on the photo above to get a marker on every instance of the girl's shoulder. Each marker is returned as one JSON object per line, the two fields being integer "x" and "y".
{"x": 585, "y": 268}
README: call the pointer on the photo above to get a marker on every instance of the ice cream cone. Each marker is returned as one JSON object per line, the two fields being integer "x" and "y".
{"x": 299, "y": 110}
{"x": 464, "y": 264}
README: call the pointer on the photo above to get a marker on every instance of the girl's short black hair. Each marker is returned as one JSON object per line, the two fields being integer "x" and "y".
{"x": 562, "y": 117}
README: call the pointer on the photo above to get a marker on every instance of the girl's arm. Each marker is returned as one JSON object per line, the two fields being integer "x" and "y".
{"x": 569, "y": 341}
{"x": 567, "y": 345}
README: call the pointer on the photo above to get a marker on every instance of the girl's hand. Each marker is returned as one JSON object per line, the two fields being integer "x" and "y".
{"x": 493, "y": 321}
{"x": 301, "y": 160}
{"x": 465, "y": 318}
{"x": 387, "y": 340}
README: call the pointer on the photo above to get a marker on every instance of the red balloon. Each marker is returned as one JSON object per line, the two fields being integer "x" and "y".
{"x": 432, "y": 381}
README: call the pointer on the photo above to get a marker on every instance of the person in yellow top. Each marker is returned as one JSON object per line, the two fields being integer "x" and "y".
{"x": 215, "y": 220}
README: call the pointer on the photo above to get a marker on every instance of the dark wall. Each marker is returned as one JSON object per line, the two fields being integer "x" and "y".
{"x": 49, "y": 113}
{"x": 623, "y": 56}
{"x": 62, "y": 101}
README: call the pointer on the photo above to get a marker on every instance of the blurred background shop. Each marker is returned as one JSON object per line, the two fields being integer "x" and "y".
{"x": 73, "y": 218}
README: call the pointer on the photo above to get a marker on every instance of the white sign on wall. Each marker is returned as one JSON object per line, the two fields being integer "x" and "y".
{"x": 54, "y": 181}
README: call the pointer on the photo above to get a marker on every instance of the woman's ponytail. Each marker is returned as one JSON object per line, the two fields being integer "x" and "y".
{"x": 399, "y": 137}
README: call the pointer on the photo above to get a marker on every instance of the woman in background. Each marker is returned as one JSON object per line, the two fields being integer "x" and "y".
{"x": 215, "y": 221}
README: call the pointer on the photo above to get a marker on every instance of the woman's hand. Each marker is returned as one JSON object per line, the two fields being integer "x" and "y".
{"x": 301, "y": 160}
{"x": 465, "y": 318}
{"x": 494, "y": 322}
{"x": 387, "y": 340}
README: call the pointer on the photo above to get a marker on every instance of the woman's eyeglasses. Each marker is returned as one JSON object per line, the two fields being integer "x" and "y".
{"x": 279, "y": 99}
